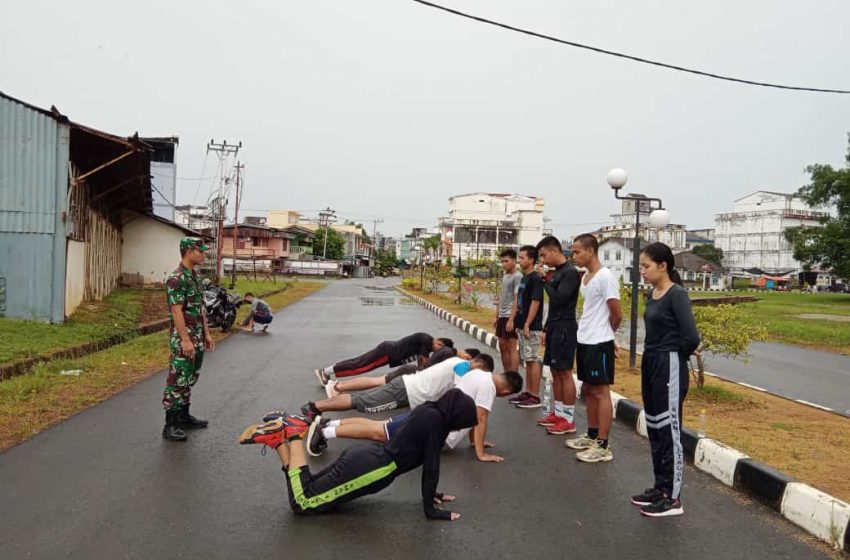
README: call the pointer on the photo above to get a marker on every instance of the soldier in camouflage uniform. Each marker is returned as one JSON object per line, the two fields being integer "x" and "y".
{"x": 189, "y": 337}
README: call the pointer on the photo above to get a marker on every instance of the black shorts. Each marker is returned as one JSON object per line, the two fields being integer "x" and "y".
{"x": 595, "y": 363}
{"x": 502, "y": 328}
{"x": 560, "y": 345}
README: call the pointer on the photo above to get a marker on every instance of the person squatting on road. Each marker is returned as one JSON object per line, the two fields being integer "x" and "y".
{"x": 369, "y": 468}
{"x": 189, "y": 336}
{"x": 414, "y": 347}
{"x": 671, "y": 337}
{"x": 260, "y": 313}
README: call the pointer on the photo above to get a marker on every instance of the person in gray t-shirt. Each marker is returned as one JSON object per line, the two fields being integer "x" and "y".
{"x": 260, "y": 313}
{"x": 504, "y": 323}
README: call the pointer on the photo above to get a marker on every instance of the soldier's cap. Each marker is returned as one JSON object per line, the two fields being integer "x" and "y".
{"x": 193, "y": 243}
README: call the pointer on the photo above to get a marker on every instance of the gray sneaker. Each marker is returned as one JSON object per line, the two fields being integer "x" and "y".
{"x": 580, "y": 443}
{"x": 596, "y": 454}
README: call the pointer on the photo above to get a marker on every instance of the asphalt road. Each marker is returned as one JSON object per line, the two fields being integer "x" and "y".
{"x": 105, "y": 485}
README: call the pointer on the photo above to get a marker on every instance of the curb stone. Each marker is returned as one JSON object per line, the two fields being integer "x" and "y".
{"x": 816, "y": 512}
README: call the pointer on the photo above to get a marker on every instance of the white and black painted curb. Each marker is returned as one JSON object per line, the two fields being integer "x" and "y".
{"x": 820, "y": 514}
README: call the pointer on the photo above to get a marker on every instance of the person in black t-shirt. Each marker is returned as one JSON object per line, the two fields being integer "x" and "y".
{"x": 671, "y": 337}
{"x": 367, "y": 469}
{"x": 529, "y": 326}
{"x": 417, "y": 346}
{"x": 562, "y": 287}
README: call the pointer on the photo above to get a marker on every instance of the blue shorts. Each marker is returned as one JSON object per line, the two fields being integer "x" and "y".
{"x": 394, "y": 424}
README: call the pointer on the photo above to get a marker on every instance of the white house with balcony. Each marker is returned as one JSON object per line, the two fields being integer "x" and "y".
{"x": 673, "y": 235}
{"x": 752, "y": 235}
{"x": 479, "y": 224}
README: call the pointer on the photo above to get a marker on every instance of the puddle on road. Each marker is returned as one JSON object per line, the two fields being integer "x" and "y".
{"x": 378, "y": 300}
{"x": 384, "y": 301}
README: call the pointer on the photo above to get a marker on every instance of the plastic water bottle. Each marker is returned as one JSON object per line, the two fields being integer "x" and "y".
{"x": 547, "y": 394}
{"x": 702, "y": 429}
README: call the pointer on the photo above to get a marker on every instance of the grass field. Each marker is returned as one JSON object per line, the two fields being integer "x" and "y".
{"x": 35, "y": 401}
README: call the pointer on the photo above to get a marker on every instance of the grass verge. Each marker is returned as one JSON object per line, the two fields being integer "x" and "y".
{"x": 33, "y": 402}
{"x": 117, "y": 312}
{"x": 809, "y": 444}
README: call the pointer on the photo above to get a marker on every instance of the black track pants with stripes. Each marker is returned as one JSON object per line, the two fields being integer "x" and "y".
{"x": 664, "y": 385}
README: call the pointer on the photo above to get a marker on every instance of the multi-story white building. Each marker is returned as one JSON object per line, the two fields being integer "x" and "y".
{"x": 673, "y": 235}
{"x": 752, "y": 236}
{"x": 479, "y": 224}
{"x": 198, "y": 218}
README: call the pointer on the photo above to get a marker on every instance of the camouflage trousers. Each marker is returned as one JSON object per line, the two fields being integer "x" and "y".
{"x": 182, "y": 375}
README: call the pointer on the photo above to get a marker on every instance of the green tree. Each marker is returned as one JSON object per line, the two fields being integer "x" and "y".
{"x": 723, "y": 332}
{"x": 432, "y": 243}
{"x": 335, "y": 244}
{"x": 710, "y": 253}
{"x": 385, "y": 261}
{"x": 828, "y": 245}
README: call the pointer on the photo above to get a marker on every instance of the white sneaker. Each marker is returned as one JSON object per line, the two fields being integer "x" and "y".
{"x": 330, "y": 389}
{"x": 595, "y": 454}
{"x": 321, "y": 376}
{"x": 580, "y": 443}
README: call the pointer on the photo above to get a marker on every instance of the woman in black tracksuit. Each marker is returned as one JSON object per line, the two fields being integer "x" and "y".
{"x": 671, "y": 337}
{"x": 368, "y": 469}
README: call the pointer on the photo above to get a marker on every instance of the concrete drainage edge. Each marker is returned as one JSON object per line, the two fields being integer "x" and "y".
{"x": 818, "y": 513}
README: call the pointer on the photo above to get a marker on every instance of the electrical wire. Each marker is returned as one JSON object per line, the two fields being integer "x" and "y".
{"x": 626, "y": 56}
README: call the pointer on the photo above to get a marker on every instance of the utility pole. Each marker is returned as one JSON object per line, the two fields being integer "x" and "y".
{"x": 223, "y": 151}
{"x": 325, "y": 217}
{"x": 239, "y": 167}
{"x": 374, "y": 251}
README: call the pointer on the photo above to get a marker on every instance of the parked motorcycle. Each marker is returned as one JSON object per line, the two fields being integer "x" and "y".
{"x": 221, "y": 306}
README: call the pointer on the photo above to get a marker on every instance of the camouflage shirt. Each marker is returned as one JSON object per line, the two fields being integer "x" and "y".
{"x": 184, "y": 288}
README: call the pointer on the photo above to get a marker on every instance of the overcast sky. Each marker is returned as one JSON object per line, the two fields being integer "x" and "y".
{"x": 385, "y": 108}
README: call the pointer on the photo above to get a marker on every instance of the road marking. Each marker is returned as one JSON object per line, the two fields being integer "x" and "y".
{"x": 752, "y": 386}
{"x": 801, "y": 401}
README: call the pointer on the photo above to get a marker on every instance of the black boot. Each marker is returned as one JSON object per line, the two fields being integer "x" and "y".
{"x": 189, "y": 422}
{"x": 171, "y": 431}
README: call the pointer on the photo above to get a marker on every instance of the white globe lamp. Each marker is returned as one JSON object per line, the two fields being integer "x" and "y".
{"x": 659, "y": 218}
{"x": 617, "y": 178}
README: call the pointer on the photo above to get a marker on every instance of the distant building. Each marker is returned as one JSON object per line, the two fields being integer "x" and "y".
{"x": 752, "y": 236}
{"x": 163, "y": 175}
{"x": 617, "y": 253}
{"x": 673, "y": 235}
{"x": 479, "y": 224}
{"x": 697, "y": 272}
{"x": 694, "y": 239}
{"x": 198, "y": 218}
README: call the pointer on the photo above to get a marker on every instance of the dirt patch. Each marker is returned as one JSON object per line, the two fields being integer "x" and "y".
{"x": 153, "y": 306}
{"x": 825, "y": 317}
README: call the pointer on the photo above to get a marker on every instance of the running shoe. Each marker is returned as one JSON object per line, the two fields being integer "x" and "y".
{"x": 321, "y": 376}
{"x": 330, "y": 389}
{"x": 273, "y": 415}
{"x": 294, "y": 425}
{"x": 316, "y": 442}
{"x": 519, "y": 398}
{"x": 530, "y": 402}
{"x": 548, "y": 420}
{"x": 665, "y": 507}
{"x": 309, "y": 411}
{"x": 270, "y": 434}
{"x": 580, "y": 443}
{"x": 595, "y": 454}
{"x": 266, "y": 328}
{"x": 561, "y": 427}
{"x": 647, "y": 497}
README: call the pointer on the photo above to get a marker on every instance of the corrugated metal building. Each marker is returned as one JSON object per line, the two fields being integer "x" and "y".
{"x": 63, "y": 188}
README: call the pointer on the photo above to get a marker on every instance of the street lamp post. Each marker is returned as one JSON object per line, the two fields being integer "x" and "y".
{"x": 659, "y": 217}
{"x": 421, "y": 267}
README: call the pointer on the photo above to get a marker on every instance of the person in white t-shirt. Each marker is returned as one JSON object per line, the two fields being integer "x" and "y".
{"x": 600, "y": 318}
{"x": 473, "y": 378}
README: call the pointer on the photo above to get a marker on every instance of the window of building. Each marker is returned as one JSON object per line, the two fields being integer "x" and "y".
{"x": 607, "y": 255}
{"x": 618, "y": 256}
